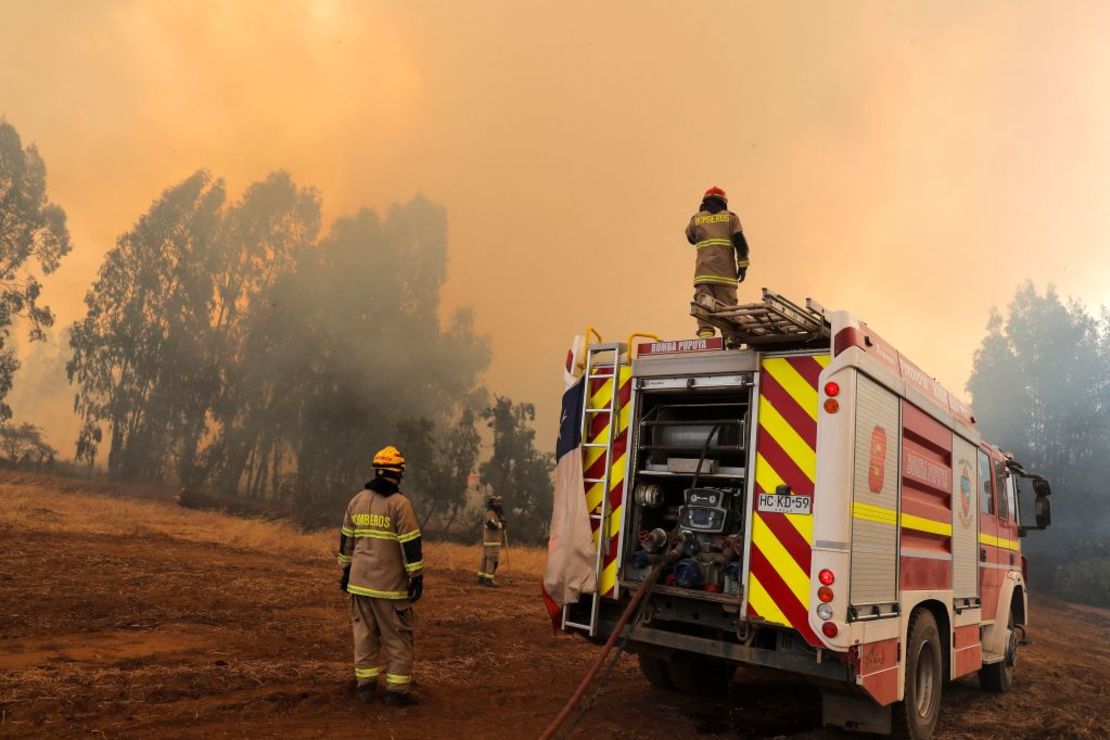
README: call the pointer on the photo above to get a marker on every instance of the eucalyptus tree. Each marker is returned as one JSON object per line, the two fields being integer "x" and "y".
{"x": 33, "y": 240}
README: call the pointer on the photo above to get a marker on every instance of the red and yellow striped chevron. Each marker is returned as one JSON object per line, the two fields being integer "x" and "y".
{"x": 786, "y": 453}
{"x": 595, "y": 462}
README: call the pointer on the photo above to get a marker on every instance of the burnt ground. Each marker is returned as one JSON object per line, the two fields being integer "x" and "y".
{"x": 141, "y": 635}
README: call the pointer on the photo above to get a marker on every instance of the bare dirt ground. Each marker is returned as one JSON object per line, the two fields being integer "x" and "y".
{"x": 138, "y": 618}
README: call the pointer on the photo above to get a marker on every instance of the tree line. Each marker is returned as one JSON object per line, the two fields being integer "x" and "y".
{"x": 1041, "y": 389}
{"x": 236, "y": 346}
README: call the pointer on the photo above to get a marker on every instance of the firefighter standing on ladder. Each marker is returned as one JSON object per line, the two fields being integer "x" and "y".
{"x": 493, "y": 535}
{"x": 722, "y": 259}
{"x": 383, "y": 570}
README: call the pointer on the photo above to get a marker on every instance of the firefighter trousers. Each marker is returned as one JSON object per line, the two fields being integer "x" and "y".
{"x": 725, "y": 294}
{"x": 383, "y": 641}
{"x": 490, "y": 555}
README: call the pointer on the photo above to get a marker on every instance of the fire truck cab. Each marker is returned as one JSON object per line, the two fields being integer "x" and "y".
{"x": 819, "y": 505}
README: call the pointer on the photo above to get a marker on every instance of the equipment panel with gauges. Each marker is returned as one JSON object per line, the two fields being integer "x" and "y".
{"x": 706, "y": 510}
{"x": 688, "y": 480}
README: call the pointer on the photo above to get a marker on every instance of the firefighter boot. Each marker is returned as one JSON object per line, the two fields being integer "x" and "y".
{"x": 367, "y": 692}
{"x": 489, "y": 579}
{"x": 706, "y": 300}
{"x": 399, "y": 698}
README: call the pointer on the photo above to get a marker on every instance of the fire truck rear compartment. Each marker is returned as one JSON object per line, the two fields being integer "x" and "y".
{"x": 689, "y": 488}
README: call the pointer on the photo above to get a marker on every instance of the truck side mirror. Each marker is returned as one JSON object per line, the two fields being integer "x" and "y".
{"x": 1043, "y": 509}
{"x": 1042, "y": 505}
{"x": 1041, "y": 488}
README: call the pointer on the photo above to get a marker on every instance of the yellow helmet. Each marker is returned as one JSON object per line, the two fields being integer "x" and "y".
{"x": 389, "y": 458}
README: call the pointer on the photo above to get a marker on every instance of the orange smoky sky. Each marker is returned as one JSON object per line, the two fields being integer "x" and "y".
{"x": 911, "y": 162}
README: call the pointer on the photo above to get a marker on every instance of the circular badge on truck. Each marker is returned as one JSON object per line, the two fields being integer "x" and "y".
{"x": 965, "y": 494}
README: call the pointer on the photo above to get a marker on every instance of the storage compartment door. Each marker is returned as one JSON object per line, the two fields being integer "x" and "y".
{"x": 874, "y": 572}
{"x": 965, "y": 521}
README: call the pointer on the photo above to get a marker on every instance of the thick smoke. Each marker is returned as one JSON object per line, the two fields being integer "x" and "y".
{"x": 1041, "y": 390}
{"x": 229, "y": 346}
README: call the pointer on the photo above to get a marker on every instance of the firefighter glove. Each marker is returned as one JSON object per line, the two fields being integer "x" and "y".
{"x": 416, "y": 588}
{"x": 741, "y": 273}
{"x": 343, "y": 579}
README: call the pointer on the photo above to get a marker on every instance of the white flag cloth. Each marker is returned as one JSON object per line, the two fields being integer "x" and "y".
{"x": 571, "y": 555}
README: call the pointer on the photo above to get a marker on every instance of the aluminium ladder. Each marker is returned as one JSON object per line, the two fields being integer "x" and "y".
{"x": 608, "y": 368}
{"x": 773, "y": 322}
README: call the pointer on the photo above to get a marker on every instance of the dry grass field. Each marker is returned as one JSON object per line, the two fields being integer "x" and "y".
{"x": 125, "y": 616}
{"x": 24, "y": 496}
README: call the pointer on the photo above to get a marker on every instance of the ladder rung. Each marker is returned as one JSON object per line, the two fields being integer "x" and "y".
{"x": 594, "y": 480}
{"x": 606, "y": 410}
{"x": 568, "y": 623}
{"x": 774, "y": 320}
{"x": 595, "y": 444}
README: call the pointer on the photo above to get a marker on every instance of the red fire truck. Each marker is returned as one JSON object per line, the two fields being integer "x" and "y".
{"x": 816, "y": 503}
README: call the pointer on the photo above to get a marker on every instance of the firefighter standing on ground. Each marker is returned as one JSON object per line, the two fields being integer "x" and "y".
{"x": 493, "y": 535}
{"x": 722, "y": 254}
{"x": 380, "y": 551}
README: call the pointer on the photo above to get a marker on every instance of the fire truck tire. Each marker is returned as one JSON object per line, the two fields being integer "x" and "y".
{"x": 699, "y": 676}
{"x": 656, "y": 672}
{"x": 999, "y": 676}
{"x": 916, "y": 715}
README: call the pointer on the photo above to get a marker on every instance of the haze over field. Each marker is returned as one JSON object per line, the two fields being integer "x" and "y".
{"x": 913, "y": 165}
{"x": 273, "y": 248}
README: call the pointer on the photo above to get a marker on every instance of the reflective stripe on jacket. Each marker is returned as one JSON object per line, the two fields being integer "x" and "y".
{"x": 492, "y": 529}
{"x": 711, "y": 234}
{"x": 381, "y": 541}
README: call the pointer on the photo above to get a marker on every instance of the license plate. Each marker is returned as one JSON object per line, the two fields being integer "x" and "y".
{"x": 777, "y": 503}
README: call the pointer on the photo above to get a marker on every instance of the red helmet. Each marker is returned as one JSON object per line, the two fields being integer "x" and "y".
{"x": 715, "y": 192}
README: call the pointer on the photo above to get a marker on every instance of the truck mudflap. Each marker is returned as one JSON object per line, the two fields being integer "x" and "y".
{"x": 785, "y": 465}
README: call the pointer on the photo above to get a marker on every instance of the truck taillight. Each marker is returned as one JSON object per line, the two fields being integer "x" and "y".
{"x": 830, "y": 629}
{"x": 832, "y": 390}
{"x": 826, "y": 577}
{"x": 825, "y": 594}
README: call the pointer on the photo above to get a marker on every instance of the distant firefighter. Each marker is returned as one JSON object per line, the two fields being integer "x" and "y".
{"x": 722, "y": 254}
{"x": 383, "y": 570}
{"x": 493, "y": 536}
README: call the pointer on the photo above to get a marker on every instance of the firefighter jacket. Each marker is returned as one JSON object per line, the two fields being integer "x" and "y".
{"x": 722, "y": 248}
{"x": 380, "y": 540}
{"x": 492, "y": 529}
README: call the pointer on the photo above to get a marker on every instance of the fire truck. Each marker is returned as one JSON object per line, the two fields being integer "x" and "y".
{"x": 814, "y": 502}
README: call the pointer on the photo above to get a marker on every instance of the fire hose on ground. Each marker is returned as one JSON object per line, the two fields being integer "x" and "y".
{"x": 587, "y": 680}
{"x": 669, "y": 558}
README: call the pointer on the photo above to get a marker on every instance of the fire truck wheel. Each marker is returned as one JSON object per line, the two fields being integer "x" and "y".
{"x": 701, "y": 677}
{"x": 655, "y": 671}
{"x": 1000, "y": 676}
{"x": 916, "y": 715}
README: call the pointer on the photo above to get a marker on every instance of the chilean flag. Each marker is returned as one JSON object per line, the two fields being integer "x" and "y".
{"x": 570, "y": 548}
